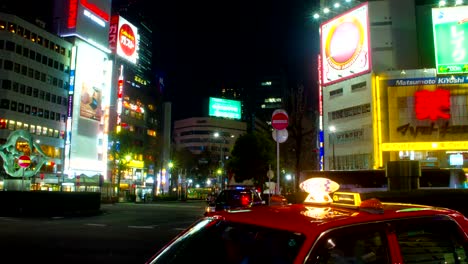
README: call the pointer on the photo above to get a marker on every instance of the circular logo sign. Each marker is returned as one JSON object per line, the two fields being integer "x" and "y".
{"x": 24, "y": 161}
{"x": 127, "y": 40}
{"x": 344, "y": 43}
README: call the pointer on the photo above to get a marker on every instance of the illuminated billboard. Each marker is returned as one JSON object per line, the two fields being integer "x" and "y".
{"x": 123, "y": 39}
{"x": 86, "y": 19}
{"x": 345, "y": 46}
{"x": 450, "y": 42}
{"x": 224, "y": 108}
{"x": 91, "y": 102}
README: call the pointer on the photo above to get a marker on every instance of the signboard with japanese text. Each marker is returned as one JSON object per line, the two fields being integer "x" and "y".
{"x": 220, "y": 107}
{"x": 450, "y": 39}
{"x": 123, "y": 39}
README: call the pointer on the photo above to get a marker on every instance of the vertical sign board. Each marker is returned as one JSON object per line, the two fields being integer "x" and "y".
{"x": 450, "y": 39}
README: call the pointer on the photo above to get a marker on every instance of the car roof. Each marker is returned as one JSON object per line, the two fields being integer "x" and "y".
{"x": 314, "y": 219}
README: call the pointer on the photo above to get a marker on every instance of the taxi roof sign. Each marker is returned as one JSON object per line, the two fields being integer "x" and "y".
{"x": 347, "y": 199}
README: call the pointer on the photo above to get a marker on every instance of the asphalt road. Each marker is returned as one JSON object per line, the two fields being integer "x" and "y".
{"x": 123, "y": 233}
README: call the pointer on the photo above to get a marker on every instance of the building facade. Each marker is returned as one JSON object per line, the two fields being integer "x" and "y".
{"x": 385, "y": 99}
{"x": 34, "y": 80}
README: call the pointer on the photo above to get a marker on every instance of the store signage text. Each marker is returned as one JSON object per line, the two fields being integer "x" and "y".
{"x": 428, "y": 81}
{"x": 415, "y": 131}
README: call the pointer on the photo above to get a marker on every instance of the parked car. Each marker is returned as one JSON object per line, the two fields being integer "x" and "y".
{"x": 235, "y": 197}
{"x": 332, "y": 228}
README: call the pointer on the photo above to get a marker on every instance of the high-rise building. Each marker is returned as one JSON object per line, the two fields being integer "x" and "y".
{"x": 34, "y": 80}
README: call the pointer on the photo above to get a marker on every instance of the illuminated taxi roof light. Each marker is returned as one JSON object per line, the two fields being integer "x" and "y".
{"x": 319, "y": 190}
{"x": 372, "y": 206}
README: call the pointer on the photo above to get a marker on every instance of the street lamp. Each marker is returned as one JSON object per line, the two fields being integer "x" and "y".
{"x": 221, "y": 157}
{"x": 332, "y": 139}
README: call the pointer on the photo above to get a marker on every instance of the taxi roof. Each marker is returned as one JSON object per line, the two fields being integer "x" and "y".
{"x": 308, "y": 219}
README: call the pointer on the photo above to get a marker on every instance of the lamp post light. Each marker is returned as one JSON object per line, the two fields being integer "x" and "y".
{"x": 332, "y": 139}
{"x": 221, "y": 157}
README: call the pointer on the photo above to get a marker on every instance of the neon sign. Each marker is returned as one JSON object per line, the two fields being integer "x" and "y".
{"x": 432, "y": 104}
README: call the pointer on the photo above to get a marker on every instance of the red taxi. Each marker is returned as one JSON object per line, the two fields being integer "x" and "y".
{"x": 329, "y": 227}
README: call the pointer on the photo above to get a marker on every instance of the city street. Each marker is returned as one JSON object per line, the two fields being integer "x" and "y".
{"x": 123, "y": 233}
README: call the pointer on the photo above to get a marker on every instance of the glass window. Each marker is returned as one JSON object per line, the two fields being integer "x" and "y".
{"x": 20, "y": 107}
{"x": 43, "y": 77}
{"x": 62, "y": 50}
{"x": 40, "y": 112}
{"x": 27, "y": 34}
{"x": 35, "y": 92}
{"x": 24, "y": 70}
{"x": 50, "y": 62}
{"x": 19, "y": 30}
{"x": 29, "y": 90}
{"x": 2, "y": 43}
{"x": 26, "y": 52}
{"x": 52, "y": 115}
{"x": 33, "y": 37}
{"x": 32, "y": 129}
{"x": 34, "y": 111}
{"x": 38, "y": 57}
{"x": 2, "y": 25}
{"x": 13, "y": 105}
{"x": 31, "y": 73}
{"x": 11, "y": 125}
{"x": 366, "y": 243}
{"x": 17, "y": 68}
{"x": 11, "y": 27}
{"x": 57, "y": 116}
{"x": 44, "y": 60}
{"x": 22, "y": 88}
{"x": 8, "y": 65}
{"x": 47, "y": 97}
{"x": 44, "y": 131}
{"x": 10, "y": 46}
{"x": 56, "y": 65}
{"x": 53, "y": 98}
{"x": 38, "y": 130}
{"x": 46, "y": 114}
{"x": 41, "y": 95}
{"x": 52, "y": 45}
{"x": 431, "y": 240}
{"x": 26, "y": 127}
{"x": 233, "y": 243}
{"x": 27, "y": 109}
{"x": 45, "y": 43}
{"x": 37, "y": 75}
{"x": 5, "y": 104}
{"x": 6, "y": 84}
{"x": 15, "y": 86}
{"x": 39, "y": 40}
{"x": 19, "y": 49}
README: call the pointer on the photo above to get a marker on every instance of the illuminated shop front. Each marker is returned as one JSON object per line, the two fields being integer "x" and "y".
{"x": 421, "y": 116}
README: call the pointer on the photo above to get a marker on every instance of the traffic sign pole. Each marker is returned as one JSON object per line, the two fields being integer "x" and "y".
{"x": 279, "y": 121}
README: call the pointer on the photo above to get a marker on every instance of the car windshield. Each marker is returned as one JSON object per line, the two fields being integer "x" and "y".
{"x": 217, "y": 241}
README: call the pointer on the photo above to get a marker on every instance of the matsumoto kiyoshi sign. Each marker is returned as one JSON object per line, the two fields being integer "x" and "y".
{"x": 450, "y": 39}
{"x": 428, "y": 81}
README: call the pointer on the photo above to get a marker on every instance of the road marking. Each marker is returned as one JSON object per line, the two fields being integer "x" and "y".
{"x": 91, "y": 224}
{"x": 8, "y": 219}
{"x": 142, "y": 227}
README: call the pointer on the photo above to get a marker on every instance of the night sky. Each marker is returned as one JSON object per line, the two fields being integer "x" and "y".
{"x": 202, "y": 46}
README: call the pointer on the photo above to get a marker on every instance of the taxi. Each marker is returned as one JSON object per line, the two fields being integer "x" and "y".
{"x": 330, "y": 227}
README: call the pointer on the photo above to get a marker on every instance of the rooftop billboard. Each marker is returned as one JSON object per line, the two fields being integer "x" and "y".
{"x": 86, "y": 19}
{"x": 224, "y": 108}
{"x": 345, "y": 46}
{"x": 450, "y": 43}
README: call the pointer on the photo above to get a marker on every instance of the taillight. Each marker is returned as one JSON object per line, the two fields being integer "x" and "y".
{"x": 245, "y": 200}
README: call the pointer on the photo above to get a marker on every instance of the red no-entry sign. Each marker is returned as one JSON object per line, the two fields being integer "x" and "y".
{"x": 24, "y": 161}
{"x": 279, "y": 119}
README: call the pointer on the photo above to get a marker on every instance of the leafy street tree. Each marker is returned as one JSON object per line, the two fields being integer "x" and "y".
{"x": 251, "y": 156}
{"x": 301, "y": 144}
{"x": 122, "y": 150}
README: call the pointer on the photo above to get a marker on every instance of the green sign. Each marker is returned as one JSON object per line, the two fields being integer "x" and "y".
{"x": 224, "y": 108}
{"x": 450, "y": 39}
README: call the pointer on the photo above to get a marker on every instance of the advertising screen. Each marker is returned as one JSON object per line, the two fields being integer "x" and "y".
{"x": 123, "y": 39}
{"x": 344, "y": 46}
{"x": 86, "y": 19}
{"x": 224, "y": 108}
{"x": 90, "y": 103}
{"x": 450, "y": 42}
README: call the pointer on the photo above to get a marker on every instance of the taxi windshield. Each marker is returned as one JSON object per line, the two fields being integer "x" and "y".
{"x": 227, "y": 242}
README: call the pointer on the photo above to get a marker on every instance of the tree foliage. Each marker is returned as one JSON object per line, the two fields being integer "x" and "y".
{"x": 251, "y": 156}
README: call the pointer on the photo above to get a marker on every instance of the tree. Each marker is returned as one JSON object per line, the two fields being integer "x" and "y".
{"x": 302, "y": 133}
{"x": 251, "y": 156}
{"x": 122, "y": 150}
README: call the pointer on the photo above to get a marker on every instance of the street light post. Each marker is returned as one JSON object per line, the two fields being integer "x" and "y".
{"x": 332, "y": 139}
{"x": 221, "y": 153}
